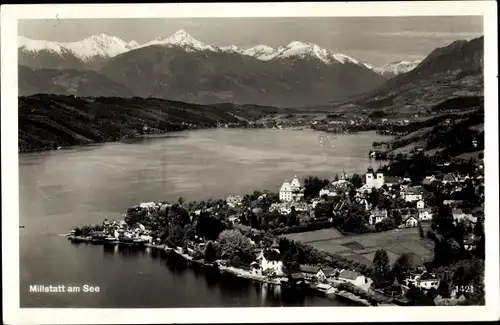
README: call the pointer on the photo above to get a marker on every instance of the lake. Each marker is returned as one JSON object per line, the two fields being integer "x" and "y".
{"x": 82, "y": 185}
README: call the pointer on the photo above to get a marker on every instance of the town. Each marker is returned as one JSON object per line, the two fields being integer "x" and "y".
{"x": 408, "y": 233}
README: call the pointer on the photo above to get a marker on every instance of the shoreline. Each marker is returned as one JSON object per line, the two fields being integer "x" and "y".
{"x": 240, "y": 273}
{"x": 173, "y": 133}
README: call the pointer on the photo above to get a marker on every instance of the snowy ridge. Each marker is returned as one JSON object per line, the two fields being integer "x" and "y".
{"x": 100, "y": 45}
{"x": 108, "y": 46}
{"x": 181, "y": 39}
{"x": 396, "y": 68}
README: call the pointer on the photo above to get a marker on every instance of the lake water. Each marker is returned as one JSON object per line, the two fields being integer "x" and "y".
{"x": 63, "y": 189}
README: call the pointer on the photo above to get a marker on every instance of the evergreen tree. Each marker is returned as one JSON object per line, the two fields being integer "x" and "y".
{"x": 380, "y": 271}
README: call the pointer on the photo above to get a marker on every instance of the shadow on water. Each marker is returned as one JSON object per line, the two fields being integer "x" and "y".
{"x": 225, "y": 284}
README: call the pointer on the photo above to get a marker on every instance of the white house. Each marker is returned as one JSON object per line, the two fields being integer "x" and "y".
{"x": 291, "y": 191}
{"x": 234, "y": 200}
{"x": 377, "y": 215}
{"x": 420, "y": 204}
{"x": 352, "y": 277}
{"x": 410, "y": 221}
{"x": 425, "y": 214}
{"x": 286, "y": 192}
{"x": 312, "y": 272}
{"x": 270, "y": 262}
{"x": 427, "y": 283}
{"x": 413, "y": 194}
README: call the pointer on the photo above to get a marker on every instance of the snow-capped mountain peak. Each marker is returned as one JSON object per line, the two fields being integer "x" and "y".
{"x": 183, "y": 39}
{"x": 397, "y": 67}
{"x": 103, "y": 45}
{"x": 87, "y": 49}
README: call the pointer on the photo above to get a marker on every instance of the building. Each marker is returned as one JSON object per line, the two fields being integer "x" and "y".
{"x": 420, "y": 204}
{"x": 470, "y": 243}
{"x": 335, "y": 188}
{"x": 450, "y": 179}
{"x": 234, "y": 200}
{"x": 374, "y": 179}
{"x": 392, "y": 180}
{"x": 425, "y": 214}
{"x": 352, "y": 277}
{"x": 377, "y": 215}
{"x": 291, "y": 191}
{"x": 286, "y": 192}
{"x": 427, "y": 281}
{"x": 412, "y": 194}
{"x": 312, "y": 272}
{"x": 410, "y": 221}
{"x": 270, "y": 262}
{"x": 459, "y": 216}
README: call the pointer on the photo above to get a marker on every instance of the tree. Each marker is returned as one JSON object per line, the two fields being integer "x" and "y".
{"x": 232, "y": 244}
{"x": 402, "y": 266}
{"x": 420, "y": 230}
{"x": 396, "y": 215}
{"x": 374, "y": 197}
{"x": 444, "y": 289}
{"x": 380, "y": 270}
{"x": 176, "y": 235}
{"x": 312, "y": 186}
{"x": 210, "y": 252}
{"x": 292, "y": 218}
{"x": 386, "y": 224}
{"x": 180, "y": 200}
{"x": 356, "y": 181}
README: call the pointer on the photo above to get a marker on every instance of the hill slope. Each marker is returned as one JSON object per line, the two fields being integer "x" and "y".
{"x": 68, "y": 82}
{"x": 49, "y": 121}
{"x": 452, "y": 71}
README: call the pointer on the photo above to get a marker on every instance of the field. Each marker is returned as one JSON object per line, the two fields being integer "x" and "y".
{"x": 362, "y": 248}
{"x": 317, "y": 235}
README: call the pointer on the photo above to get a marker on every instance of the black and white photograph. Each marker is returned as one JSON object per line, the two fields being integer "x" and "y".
{"x": 250, "y": 155}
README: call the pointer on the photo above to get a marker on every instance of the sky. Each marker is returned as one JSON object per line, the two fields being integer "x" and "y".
{"x": 374, "y": 40}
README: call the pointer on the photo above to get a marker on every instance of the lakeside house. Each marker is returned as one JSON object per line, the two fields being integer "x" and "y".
{"x": 269, "y": 263}
{"x": 312, "y": 272}
{"x": 291, "y": 191}
{"x": 353, "y": 277}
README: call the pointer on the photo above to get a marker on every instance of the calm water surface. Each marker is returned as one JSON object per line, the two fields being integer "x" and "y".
{"x": 62, "y": 189}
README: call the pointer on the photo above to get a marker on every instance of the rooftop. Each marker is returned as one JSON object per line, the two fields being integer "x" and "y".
{"x": 309, "y": 269}
{"x": 348, "y": 274}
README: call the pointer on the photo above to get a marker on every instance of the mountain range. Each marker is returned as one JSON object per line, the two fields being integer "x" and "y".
{"x": 181, "y": 68}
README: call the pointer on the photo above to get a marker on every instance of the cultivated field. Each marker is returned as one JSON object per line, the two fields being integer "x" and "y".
{"x": 317, "y": 235}
{"x": 362, "y": 248}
